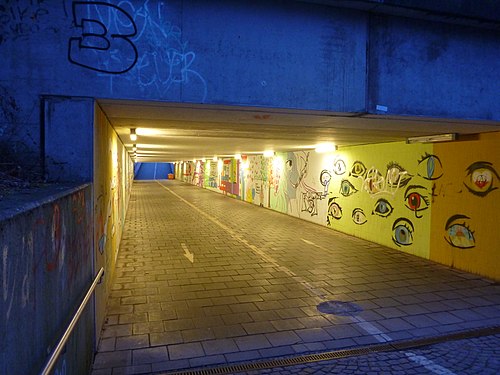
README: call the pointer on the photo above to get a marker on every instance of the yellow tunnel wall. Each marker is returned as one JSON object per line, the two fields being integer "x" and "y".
{"x": 113, "y": 177}
{"x": 465, "y": 230}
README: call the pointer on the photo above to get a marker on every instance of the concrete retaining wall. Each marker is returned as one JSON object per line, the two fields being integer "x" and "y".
{"x": 46, "y": 270}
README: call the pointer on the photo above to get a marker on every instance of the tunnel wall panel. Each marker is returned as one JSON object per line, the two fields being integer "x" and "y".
{"x": 113, "y": 176}
{"x": 436, "y": 201}
{"x": 46, "y": 271}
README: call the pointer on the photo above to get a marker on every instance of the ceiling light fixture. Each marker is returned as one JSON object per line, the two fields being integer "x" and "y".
{"x": 134, "y": 147}
{"x": 325, "y": 147}
{"x": 215, "y": 158}
{"x": 133, "y": 136}
{"x": 237, "y": 156}
{"x": 432, "y": 138}
{"x": 268, "y": 153}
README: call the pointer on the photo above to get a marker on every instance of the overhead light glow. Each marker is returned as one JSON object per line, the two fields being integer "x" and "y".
{"x": 133, "y": 136}
{"x": 134, "y": 147}
{"x": 215, "y": 158}
{"x": 325, "y": 147}
{"x": 203, "y": 160}
{"x": 268, "y": 153}
{"x": 237, "y": 156}
{"x": 149, "y": 131}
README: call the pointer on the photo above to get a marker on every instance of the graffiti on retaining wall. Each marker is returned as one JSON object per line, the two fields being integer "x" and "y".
{"x": 17, "y": 278}
{"x": 21, "y": 18}
{"x": 57, "y": 242}
{"x": 114, "y": 40}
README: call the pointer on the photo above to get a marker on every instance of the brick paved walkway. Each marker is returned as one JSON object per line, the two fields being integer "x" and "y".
{"x": 255, "y": 283}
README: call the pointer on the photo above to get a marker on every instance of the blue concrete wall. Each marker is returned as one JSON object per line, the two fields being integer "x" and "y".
{"x": 47, "y": 268}
{"x": 152, "y": 171}
{"x": 257, "y": 53}
{"x": 423, "y": 68}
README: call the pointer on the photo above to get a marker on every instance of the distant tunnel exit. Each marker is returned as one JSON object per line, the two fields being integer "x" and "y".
{"x": 153, "y": 171}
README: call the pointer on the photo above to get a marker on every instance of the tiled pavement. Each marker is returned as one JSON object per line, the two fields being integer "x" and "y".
{"x": 257, "y": 278}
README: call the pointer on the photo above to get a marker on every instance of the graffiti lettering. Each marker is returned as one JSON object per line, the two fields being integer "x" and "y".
{"x": 21, "y": 18}
{"x": 101, "y": 47}
{"x": 108, "y": 44}
{"x": 375, "y": 184}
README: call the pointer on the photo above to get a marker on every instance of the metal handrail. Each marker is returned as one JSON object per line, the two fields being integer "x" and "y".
{"x": 60, "y": 345}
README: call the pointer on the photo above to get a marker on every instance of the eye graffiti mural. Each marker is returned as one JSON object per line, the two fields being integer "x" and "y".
{"x": 347, "y": 189}
{"x": 480, "y": 178}
{"x": 430, "y": 167}
{"x": 402, "y": 232}
{"x": 378, "y": 183}
{"x": 334, "y": 210}
{"x": 358, "y": 169}
{"x": 407, "y": 197}
{"x": 458, "y": 234}
{"x": 339, "y": 167}
{"x": 382, "y": 208}
{"x": 358, "y": 216}
{"x": 416, "y": 199}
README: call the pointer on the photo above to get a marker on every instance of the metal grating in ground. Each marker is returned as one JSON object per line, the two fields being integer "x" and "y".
{"x": 326, "y": 356}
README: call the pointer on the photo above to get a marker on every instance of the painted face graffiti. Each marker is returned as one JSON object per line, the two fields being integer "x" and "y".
{"x": 480, "y": 178}
{"x": 402, "y": 232}
{"x": 458, "y": 234}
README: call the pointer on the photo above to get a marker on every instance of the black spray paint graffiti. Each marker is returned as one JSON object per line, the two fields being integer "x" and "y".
{"x": 101, "y": 47}
{"x": 133, "y": 38}
{"x": 311, "y": 197}
{"x": 21, "y": 18}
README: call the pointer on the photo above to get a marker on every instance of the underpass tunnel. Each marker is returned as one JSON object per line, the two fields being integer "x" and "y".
{"x": 402, "y": 195}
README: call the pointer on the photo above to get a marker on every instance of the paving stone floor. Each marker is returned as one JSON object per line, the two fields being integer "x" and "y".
{"x": 257, "y": 278}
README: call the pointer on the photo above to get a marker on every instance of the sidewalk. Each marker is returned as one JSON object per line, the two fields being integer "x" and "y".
{"x": 255, "y": 284}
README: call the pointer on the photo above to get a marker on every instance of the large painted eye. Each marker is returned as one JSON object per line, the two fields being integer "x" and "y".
{"x": 339, "y": 167}
{"x": 402, "y": 232}
{"x": 416, "y": 199}
{"x": 358, "y": 216}
{"x": 480, "y": 178}
{"x": 358, "y": 169}
{"x": 334, "y": 210}
{"x": 382, "y": 208}
{"x": 430, "y": 167}
{"x": 458, "y": 234}
{"x": 346, "y": 188}
{"x": 397, "y": 176}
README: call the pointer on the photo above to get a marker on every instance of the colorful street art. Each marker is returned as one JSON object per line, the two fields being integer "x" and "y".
{"x": 435, "y": 201}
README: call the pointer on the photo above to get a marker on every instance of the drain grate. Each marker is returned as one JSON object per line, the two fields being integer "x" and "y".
{"x": 318, "y": 357}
